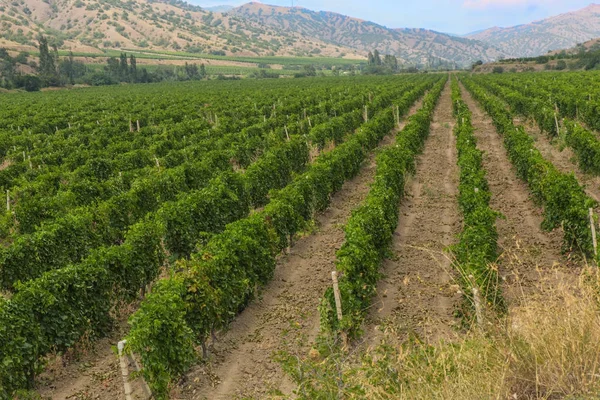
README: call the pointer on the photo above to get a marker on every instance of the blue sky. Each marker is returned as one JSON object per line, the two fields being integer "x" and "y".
{"x": 453, "y": 16}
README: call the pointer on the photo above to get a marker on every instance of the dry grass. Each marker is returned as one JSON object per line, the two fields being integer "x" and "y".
{"x": 547, "y": 347}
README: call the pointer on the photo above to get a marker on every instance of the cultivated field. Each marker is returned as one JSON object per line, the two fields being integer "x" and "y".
{"x": 202, "y": 221}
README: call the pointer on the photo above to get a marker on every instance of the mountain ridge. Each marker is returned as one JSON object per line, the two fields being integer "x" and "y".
{"x": 94, "y": 25}
{"x": 415, "y": 46}
{"x": 538, "y": 37}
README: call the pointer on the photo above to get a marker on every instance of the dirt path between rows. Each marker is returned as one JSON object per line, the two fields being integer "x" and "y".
{"x": 529, "y": 255}
{"x": 564, "y": 159}
{"x": 417, "y": 294}
{"x": 285, "y": 318}
{"x": 96, "y": 374}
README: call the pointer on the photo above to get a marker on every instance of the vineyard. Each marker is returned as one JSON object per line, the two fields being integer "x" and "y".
{"x": 211, "y": 215}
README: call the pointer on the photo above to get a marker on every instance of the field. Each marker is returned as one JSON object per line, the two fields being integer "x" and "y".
{"x": 201, "y": 221}
{"x": 156, "y": 55}
{"x": 218, "y": 69}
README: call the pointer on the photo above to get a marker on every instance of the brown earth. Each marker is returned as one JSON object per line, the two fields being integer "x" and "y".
{"x": 90, "y": 372}
{"x": 563, "y": 158}
{"x": 529, "y": 255}
{"x": 418, "y": 294}
{"x": 286, "y": 317}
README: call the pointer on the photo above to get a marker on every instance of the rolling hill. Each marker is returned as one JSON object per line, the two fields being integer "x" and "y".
{"x": 257, "y": 29}
{"x": 538, "y": 38}
{"x": 253, "y": 29}
{"x": 412, "y": 46}
{"x": 92, "y": 25}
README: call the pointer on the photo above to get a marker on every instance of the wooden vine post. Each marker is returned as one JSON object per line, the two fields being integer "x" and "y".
{"x": 477, "y": 302}
{"x": 478, "y": 307}
{"x": 124, "y": 361}
{"x": 338, "y": 303}
{"x": 593, "y": 228}
{"x": 124, "y": 370}
{"x": 336, "y": 294}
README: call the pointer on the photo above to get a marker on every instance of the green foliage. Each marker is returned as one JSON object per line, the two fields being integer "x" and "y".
{"x": 94, "y": 227}
{"x": 369, "y": 231}
{"x": 534, "y": 101}
{"x": 222, "y": 276}
{"x": 586, "y": 146}
{"x": 476, "y": 249}
{"x": 527, "y": 106}
{"x": 564, "y": 200}
{"x": 163, "y": 316}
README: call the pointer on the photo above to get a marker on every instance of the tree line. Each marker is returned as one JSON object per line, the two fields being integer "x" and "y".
{"x": 51, "y": 70}
{"x": 381, "y": 66}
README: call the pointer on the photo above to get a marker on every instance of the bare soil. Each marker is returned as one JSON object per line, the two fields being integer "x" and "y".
{"x": 418, "y": 294}
{"x": 529, "y": 255}
{"x": 90, "y": 372}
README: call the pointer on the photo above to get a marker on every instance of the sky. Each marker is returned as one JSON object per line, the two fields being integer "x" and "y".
{"x": 450, "y": 16}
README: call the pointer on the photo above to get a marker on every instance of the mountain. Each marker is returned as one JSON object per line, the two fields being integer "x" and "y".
{"x": 538, "y": 38}
{"x": 413, "y": 46}
{"x": 253, "y": 29}
{"x": 92, "y": 25}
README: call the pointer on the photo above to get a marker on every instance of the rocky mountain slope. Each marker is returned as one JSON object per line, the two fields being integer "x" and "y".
{"x": 91, "y": 25}
{"x": 412, "y": 46}
{"x": 252, "y": 29}
{"x": 538, "y": 38}
{"x": 257, "y": 29}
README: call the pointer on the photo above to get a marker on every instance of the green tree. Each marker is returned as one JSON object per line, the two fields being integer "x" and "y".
{"x": 113, "y": 69}
{"x": 376, "y": 57}
{"x": 30, "y": 83}
{"x": 561, "y": 65}
{"x": 133, "y": 69}
{"x": 70, "y": 70}
{"x": 47, "y": 67}
{"x": 391, "y": 62}
{"x": 66, "y": 68}
{"x": 123, "y": 68}
{"x": 191, "y": 71}
{"x": 7, "y": 72}
{"x": 309, "y": 70}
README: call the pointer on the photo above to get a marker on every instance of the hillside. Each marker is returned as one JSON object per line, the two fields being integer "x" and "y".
{"x": 253, "y": 29}
{"x": 537, "y": 38}
{"x": 91, "y": 25}
{"x": 414, "y": 46}
{"x": 590, "y": 45}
